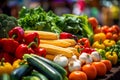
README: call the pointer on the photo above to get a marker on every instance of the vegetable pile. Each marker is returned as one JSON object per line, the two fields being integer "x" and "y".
{"x": 38, "y": 19}
{"x": 6, "y": 24}
{"x": 49, "y": 47}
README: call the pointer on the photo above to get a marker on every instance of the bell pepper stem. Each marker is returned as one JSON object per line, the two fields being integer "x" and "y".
{"x": 2, "y": 61}
{"x": 14, "y": 36}
{"x": 32, "y": 44}
{"x": 23, "y": 62}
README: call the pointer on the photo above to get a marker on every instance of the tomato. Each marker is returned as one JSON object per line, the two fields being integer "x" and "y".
{"x": 77, "y": 75}
{"x": 90, "y": 71}
{"x": 108, "y": 64}
{"x": 112, "y": 30}
{"x": 97, "y": 30}
{"x": 93, "y": 21}
{"x": 100, "y": 67}
{"x": 104, "y": 28}
{"x": 116, "y": 27}
{"x": 109, "y": 35}
{"x": 115, "y": 37}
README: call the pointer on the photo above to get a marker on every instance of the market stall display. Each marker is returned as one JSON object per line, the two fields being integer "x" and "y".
{"x": 49, "y": 47}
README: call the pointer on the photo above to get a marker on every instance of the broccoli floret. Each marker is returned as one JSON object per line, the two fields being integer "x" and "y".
{"x": 6, "y": 24}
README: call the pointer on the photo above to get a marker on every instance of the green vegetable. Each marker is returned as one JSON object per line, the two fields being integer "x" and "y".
{"x": 42, "y": 67}
{"x": 31, "y": 78}
{"x": 5, "y": 76}
{"x": 60, "y": 69}
{"x": 38, "y": 19}
{"x": 6, "y": 24}
{"x": 23, "y": 70}
{"x": 40, "y": 75}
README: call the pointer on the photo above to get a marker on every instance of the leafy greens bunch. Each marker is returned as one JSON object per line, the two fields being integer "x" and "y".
{"x": 38, "y": 19}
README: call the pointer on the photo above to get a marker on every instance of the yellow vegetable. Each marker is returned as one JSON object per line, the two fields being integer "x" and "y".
{"x": 109, "y": 42}
{"x": 44, "y": 34}
{"x": 5, "y": 67}
{"x": 61, "y": 43}
{"x": 72, "y": 41}
{"x": 75, "y": 51}
{"x": 50, "y": 56}
{"x": 52, "y": 49}
{"x": 99, "y": 37}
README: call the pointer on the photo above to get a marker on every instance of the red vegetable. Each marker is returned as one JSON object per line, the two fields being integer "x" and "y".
{"x": 9, "y": 45}
{"x": 40, "y": 51}
{"x": 32, "y": 37}
{"x": 22, "y": 49}
{"x": 17, "y": 33}
{"x": 84, "y": 41}
{"x": 65, "y": 35}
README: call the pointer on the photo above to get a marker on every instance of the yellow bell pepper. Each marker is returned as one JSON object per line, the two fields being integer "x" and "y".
{"x": 109, "y": 42}
{"x": 112, "y": 56}
{"x": 17, "y": 63}
{"x": 5, "y": 67}
{"x": 98, "y": 45}
{"x": 99, "y": 36}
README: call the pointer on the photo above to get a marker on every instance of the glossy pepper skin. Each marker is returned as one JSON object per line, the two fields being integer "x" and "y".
{"x": 17, "y": 63}
{"x": 17, "y": 33}
{"x": 5, "y": 67}
{"x": 40, "y": 51}
{"x": 8, "y": 57}
{"x": 84, "y": 41}
{"x": 23, "y": 49}
{"x": 9, "y": 45}
{"x": 32, "y": 37}
{"x": 109, "y": 42}
{"x": 98, "y": 44}
{"x": 112, "y": 56}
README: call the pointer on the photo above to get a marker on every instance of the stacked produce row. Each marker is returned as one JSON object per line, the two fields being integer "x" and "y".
{"x": 43, "y": 46}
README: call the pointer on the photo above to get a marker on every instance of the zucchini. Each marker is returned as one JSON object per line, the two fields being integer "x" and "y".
{"x": 42, "y": 67}
{"x": 40, "y": 75}
{"x": 23, "y": 70}
{"x": 31, "y": 78}
{"x": 5, "y": 76}
{"x": 59, "y": 68}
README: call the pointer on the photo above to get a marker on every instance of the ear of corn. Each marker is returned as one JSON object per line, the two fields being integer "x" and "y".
{"x": 52, "y": 49}
{"x": 50, "y": 56}
{"x": 61, "y": 43}
{"x": 44, "y": 34}
{"x": 72, "y": 41}
{"x": 75, "y": 51}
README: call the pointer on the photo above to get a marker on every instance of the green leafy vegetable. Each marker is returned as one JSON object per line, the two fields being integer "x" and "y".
{"x": 38, "y": 19}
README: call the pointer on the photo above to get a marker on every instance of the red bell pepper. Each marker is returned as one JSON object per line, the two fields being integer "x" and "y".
{"x": 87, "y": 50}
{"x": 9, "y": 45}
{"x": 65, "y": 35}
{"x": 8, "y": 58}
{"x": 32, "y": 37}
{"x": 23, "y": 49}
{"x": 84, "y": 41}
{"x": 17, "y": 33}
{"x": 40, "y": 51}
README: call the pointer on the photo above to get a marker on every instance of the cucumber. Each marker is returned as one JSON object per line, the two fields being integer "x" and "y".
{"x": 44, "y": 68}
{"x": 31, "y": 78}
{"x": 40, "y": 75}
{"x": 5, "y": 76}
{"x": 59, "y": 68}
{"x": 23, "y": 70}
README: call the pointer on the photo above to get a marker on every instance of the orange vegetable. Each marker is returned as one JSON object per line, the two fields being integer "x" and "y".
{"x": 77, "y": 75}
{"x": 100, "y": 67}
{"x": 108, "y": 64}
{"x": 90, "y": 71}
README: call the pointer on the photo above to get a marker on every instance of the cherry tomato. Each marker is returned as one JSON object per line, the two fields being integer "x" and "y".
{"x": 93, "y": 21}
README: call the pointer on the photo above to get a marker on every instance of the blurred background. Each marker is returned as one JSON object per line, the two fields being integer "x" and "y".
{"x": 107, "y": 12}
